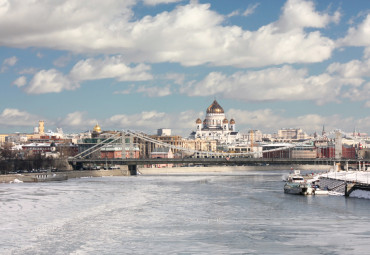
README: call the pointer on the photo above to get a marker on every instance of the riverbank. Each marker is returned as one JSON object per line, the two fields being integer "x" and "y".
{"x": 123, "y": 171}
{"x": 32, "y": 177}
{"x": 226, "y": 169}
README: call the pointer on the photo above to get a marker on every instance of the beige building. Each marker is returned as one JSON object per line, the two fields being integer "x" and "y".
{"x": 200, "y": 145}
{"x": 291, "y": 134}
{"x": 2, "y": 138}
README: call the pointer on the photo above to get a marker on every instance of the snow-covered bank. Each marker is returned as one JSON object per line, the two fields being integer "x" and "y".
{"x": 352, "y": 176}
{"x": 361, "y": 177}
{"x": 225, "y": 169}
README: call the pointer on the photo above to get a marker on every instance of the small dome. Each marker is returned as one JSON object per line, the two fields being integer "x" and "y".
{"x": 97, "y": 128}
{"x": 232, "y": 121}
{"x": 225, "y": 121}
{"x": 198, "y": 121}
{"x": 215, "y": 108}
{"x": 204, "y": 121}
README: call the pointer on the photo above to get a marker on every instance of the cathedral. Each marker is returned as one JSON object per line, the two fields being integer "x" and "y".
{"x": 216, "y": 126}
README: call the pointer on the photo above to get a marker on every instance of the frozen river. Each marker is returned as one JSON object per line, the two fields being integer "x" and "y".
{"x": 242, "y": 213}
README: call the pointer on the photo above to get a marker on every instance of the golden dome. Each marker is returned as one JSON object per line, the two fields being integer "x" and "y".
{"x": 198, "y": 121}
{"x": 97, "y": 128}
{"x": 215, "y": 108}
{"x": 232, "y": 121}
{"x": 225, "y": 121}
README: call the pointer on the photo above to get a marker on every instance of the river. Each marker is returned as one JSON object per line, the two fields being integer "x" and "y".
{"x": 245, "y": 212}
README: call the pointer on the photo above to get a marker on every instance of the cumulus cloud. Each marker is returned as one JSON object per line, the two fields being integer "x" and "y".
{"x": 76, "y": 120}
{"x": 155, "y": 91}
{"x": 16, "y": 117}
{"x": 20, "y": 82}
{"x": 177, "y": 78}
{"x": 272, "y": 120}
{"x": 155, "y": 2}
{"x": 190, "y": 34}
{"x": 271, "y": 84}
{"x": 357, "y": 36}
{"x": 360, "y": 93}
{"x": 62, "y": 61}
{"x": 301, "y": 13}
{"x": 150, "y": 121}
{"x": 8, "y": 62}
{"x": 54, "y": 81}
{"x": 50, "y": 81}
{"x": 354, "y": 68}
{"x": 109, "y": 67}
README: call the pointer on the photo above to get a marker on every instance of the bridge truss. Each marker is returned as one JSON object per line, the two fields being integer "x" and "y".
{"x": 122, "y": 134}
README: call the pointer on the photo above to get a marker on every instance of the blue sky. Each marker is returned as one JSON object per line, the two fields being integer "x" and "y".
{"x": 149, "y": 64}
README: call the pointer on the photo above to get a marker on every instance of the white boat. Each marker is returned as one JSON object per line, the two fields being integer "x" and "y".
{"x": 321, "y": 192}
{"x": 298, "y": 188}
{"x": 295, "y": 177}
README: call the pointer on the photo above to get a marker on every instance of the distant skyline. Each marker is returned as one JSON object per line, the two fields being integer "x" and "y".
{"x": 150, "y": 64}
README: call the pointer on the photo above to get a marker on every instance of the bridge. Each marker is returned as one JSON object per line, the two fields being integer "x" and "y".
{"x": 203, "y": 157}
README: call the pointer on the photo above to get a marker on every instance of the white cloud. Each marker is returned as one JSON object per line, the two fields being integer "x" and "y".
{"x": 192, "y": 34}
{"x": 155, "y": 2}
{"x": 251, "y": 9}
{"x": 233, "y": 13}
{"x": 53, "y": 81}
{"x": 30, "y": 70}
{"x": 272, "y": 84}
{"x": 8, "y": 62}
{"x": 177, "y": 78}
{"x": 354, "y": 68}
{"x": 359, "y": 93}
{"x": 272, "y": 120}
{"x": 197, "y": 37}
{"x": 149, "y": 121}
{"x": 155, "y": 91}
{"x": 357, "y": 36}
{"x": 15, "y": 117}
{"x": 110, "y": 67}
{"x": 301, "y": 13}
{"x": 62, "y": 61}
{"x": 77, "y": 120}
{"x": 21, "y": 81}
{"x": 50, "y": 81}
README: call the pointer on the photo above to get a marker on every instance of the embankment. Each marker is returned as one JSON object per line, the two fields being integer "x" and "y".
{"x": 31, "y": 177}
{"x": 225, "y": 169}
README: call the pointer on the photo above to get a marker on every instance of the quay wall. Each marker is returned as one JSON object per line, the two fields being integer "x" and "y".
{"x": 220, "y": 169}
{"x": 98, "y": 173}
{"x": 31, "y": 177}
{"x": 123, "y": 171}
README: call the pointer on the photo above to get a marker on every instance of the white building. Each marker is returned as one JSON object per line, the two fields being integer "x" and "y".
{"x": 216, "y": 126}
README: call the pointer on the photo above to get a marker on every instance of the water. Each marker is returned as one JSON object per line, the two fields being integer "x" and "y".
{"x": 242, "y": 213}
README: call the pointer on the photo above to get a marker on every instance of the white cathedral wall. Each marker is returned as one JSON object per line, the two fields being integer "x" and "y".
{"x": 214, "y": 119}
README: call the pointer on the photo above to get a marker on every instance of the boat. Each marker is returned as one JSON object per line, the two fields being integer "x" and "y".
{"x": 298, "y": 188}
{"x": 318, "y": 191}
{"x": 295, "y": 177}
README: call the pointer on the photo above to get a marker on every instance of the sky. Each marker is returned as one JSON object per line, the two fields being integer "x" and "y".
{"x": 150, "y": 64}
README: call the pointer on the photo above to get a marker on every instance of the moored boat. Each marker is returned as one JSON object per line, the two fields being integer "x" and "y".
{"x": 298, "y": 188}
{"x": 295, "y": 177}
